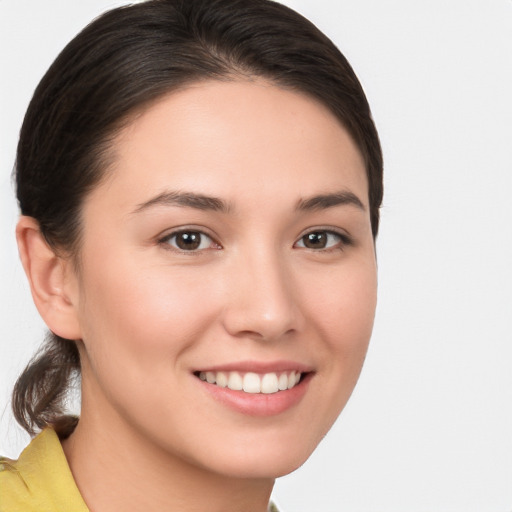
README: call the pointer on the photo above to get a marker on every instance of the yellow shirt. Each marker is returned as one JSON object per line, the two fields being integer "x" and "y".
{"x": 41, "y": 481}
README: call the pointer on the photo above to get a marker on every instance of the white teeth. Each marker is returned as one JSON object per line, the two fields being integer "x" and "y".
{"x": 283, "y": 382}
{"x": 252, "y": 382}
{"x": 222, "y": 379}
{"x": 291, "y": 380}
{"x": 235, "y": 381}
{"x": 269, "y": 383}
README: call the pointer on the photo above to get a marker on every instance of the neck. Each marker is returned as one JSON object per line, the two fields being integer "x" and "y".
{"x": 118, "y": 469}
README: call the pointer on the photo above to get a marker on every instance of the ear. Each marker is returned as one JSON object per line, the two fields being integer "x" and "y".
{"x": 52, "y": 280}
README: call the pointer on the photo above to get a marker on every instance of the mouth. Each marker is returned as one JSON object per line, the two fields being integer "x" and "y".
{"x": 255, "y": 388}
{"x": 250, "y": 382}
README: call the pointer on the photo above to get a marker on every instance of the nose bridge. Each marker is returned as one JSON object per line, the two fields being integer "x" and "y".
{"x": 262, "y": 303}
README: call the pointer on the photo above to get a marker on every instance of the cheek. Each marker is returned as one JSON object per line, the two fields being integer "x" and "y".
{"x": 343, "y": 305}
{"x": 341, "y": 312}
{"x": 134, "y": 310}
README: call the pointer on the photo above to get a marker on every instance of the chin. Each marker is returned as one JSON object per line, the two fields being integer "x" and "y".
{"x": 263, "y": 460}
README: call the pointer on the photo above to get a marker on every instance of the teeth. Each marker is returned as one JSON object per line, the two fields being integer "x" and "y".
{"x": 283, "y": 382}
{"x": 221, "y": 379}
{"x": 269, "y": 383}
{"x": 235, "y": 381}
{"x": 291, "y": 380}
{"x": 252, "y": 382}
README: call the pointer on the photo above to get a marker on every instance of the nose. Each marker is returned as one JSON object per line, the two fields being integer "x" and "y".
{"x": 261, "y": 302}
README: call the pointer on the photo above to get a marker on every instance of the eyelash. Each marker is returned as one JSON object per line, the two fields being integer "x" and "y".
{"x": 165, "y": 241}
{"x": 343, "y": 240}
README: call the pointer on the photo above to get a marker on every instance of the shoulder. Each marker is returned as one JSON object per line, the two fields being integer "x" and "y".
{"x": 14, "y": 491}
{"x": 272, "y": 507}
{"x": 40, "y": 480}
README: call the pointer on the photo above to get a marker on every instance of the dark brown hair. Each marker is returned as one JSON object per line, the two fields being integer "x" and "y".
{"x": 116, "y": 66}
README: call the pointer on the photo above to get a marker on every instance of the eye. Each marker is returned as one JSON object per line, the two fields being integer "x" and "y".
{"x": 189, "y": 240}
{"x": 322, "y": 240}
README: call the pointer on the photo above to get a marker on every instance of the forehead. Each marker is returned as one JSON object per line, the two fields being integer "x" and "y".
{"x": 236, "y": 140}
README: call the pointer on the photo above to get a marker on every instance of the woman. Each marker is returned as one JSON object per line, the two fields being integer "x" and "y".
{"x": 199, "y": 185}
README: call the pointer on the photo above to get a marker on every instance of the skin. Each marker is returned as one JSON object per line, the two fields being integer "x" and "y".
{"x": 150, "y": 315}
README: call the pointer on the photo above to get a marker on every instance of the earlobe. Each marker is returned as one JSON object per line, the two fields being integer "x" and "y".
{"x": 51, "y": 280}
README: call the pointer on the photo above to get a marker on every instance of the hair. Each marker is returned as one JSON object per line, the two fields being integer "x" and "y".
{"x": 118, "y": 65}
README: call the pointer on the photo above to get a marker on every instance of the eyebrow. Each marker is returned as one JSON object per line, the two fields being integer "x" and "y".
{"x": 324, "y": 201}
{"x": 209, "y": 203}
{"x": 185, "y": 199}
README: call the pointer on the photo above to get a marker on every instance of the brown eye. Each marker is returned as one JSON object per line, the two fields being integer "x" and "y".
{"x": 189, "y": 241}
{"x": 316, "y": 240}
{"x": 320, "y": 240}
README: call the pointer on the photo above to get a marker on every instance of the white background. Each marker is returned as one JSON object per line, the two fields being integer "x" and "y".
{"x": 429, "y": 427}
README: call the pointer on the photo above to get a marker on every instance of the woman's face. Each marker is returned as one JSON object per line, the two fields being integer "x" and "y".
{"x": 231, "y": 242}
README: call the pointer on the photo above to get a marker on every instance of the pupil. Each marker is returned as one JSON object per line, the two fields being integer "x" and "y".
{"x": 188, "y": 241}
{"x": 315, "y": 240}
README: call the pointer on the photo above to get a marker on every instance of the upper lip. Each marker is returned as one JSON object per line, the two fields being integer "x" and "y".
{"x": 258, "y": 367}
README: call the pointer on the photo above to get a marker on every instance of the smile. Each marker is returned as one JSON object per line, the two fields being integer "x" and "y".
{"x": 250, "y": 382}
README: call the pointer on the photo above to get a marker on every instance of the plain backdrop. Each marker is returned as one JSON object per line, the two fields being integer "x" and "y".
{"x": 429, "y": 427}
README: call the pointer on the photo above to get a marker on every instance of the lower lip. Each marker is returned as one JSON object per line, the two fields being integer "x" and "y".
{"x": 259, "y": 404}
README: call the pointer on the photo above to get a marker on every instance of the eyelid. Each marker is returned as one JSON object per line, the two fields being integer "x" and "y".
{"x": 167, "y": 235}
{"x": 345, "y": 238}
{"x": 163, "y": 239}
